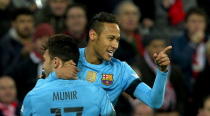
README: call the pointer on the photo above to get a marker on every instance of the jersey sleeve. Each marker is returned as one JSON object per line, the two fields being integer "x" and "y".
{"x": 128, "y": 76}
{"x": 154, "y": 96}
{"x": 26, "y": 109}
{"x": 105, "y": 105}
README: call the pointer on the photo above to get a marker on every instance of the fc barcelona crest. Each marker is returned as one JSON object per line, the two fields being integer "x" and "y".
{"x": 107, "y": 79}
{"x": 91, "y": 76}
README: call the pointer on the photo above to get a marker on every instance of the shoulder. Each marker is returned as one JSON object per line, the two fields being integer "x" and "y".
{"x": 89, "y": 87}
{"x": 179, "y": 38}
{"x": 118, "y": 62}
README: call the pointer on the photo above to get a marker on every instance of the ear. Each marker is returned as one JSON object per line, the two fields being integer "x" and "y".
{"x": 92, "y": 35}
{"x": 57, "y": 63}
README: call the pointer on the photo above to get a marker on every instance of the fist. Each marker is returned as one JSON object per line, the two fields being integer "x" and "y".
{"x": 162, "y": 59}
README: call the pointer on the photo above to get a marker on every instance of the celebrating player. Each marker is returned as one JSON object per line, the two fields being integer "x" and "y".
{"x": 97, "y": 65}
{"x": 53, "y": 96}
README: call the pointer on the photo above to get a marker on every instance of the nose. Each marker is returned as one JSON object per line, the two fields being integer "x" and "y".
{"x": 115, "y": 44}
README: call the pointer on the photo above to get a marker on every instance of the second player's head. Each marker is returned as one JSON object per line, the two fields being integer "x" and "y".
{"x": 104, "y": 35}
{"x": 58, "y": 50}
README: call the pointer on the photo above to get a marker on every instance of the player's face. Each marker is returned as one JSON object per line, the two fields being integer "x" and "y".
{"x": 47, "y": 64}
{"x": 196, "y": 23}
{"x": 106, "y": 43}
{"x": 7, "y": 90}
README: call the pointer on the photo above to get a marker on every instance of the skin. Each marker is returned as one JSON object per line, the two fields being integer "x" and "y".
{"x": 205, "y": 111}
{"x": 100, "y": 45}
{"x": 24, "y": 26}
{"x": 155, "y": 47}
{"x": 47, "y": 64}
{"x": 76, "y": 21}
{"x": 206, "y": 108}
{"x": 8, "y": 91}
{"x": 40, "y": 42}
{"x": 4, "y": 3}
{"x": 196, "y": 25}
{"x": 128, "y": 16}
{"x": 143, "y": 110}
{"x": 58, "y": 7}
{"x": 56, "y": 65}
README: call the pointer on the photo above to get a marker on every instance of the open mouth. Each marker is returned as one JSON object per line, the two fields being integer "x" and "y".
{"x": 110, "y": 53}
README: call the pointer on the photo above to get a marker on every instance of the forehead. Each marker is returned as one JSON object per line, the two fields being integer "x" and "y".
{"x": 24, "y": 17}
{"x": 128, "y": 7}
{"x": 196, "y": 16}
{"x": 110, "y": 29}
{"x": 5, "y": 81}
{"x": 76, "y": 8}
{"x": 158, "y": 41}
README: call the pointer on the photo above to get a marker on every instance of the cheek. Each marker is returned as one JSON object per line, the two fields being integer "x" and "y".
{"x": 100, "y": 47}
{"x": 45, "y": 65}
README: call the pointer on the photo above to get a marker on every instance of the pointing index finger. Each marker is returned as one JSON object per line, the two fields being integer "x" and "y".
{"x": 166, "y": 49}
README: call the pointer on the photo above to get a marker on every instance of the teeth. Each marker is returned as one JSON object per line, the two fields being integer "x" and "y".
{"x": 110, "y": 53}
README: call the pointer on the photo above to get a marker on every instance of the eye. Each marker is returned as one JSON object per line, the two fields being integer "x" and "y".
{"x": 111, "y": 38}
{"x": 118, "y": 39}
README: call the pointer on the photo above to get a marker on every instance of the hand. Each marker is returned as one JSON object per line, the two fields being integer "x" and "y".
{"x": 67, "y": 71}
{"x": 148, "y": 23}
{"x": 197, "y": 37}
{"x": 28, "y": 47}
{"x": 162, "y": 59}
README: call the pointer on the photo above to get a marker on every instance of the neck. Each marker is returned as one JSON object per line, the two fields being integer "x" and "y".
{"x": 91, "y": 56}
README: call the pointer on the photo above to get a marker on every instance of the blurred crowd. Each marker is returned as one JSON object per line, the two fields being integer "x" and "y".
{"x": 147, "y": 27}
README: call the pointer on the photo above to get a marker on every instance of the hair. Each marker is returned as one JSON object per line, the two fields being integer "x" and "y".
{"x": 148, "y": 39}
{"x": 75, "y": 5}
{"x": 196, "y": 10}
{"x": 63, "y": 47}
{"x": 96, "y": 23}
{"x": 21, "y": 11}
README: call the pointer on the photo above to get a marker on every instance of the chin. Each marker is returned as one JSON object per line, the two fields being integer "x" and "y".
{"x": 108, "y": 58}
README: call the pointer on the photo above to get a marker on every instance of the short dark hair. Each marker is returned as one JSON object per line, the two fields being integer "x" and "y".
{"x": 63, "y": 47}
{"x": 76, "y": 5}
{"x": 148, "y": 39}
{"x": 196, "y": 10}
{"x": 97, "y": 21}
{"x": 21, "y": 11}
